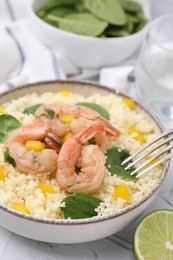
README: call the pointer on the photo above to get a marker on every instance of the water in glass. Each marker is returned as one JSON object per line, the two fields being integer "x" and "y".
{"x": 154, "y": 70}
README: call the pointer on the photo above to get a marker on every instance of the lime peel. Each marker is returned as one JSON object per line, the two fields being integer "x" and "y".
{"x": 153, "y": 237}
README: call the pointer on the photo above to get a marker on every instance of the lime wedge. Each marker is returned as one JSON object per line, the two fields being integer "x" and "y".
{"x": 153, "y": 237}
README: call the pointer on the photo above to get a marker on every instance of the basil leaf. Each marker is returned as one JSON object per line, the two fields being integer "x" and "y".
{"x": 50, "y": 112}
{"x": 120, "y": 171}
{"x": 97, "y": 108}
{"x": 115, "y": 156}
{"x": 7, "y": 124}
{"x": 80, "y": 23}
{"x": 8, "y": 158}
{"x": 108, "y": 10}
{"x": 32, "y": 109}
{"x": 80, "y": 205}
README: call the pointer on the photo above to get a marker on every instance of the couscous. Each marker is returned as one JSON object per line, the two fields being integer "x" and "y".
{"x": 41, "y": 193}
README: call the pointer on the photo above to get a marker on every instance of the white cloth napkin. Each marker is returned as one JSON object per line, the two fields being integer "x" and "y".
{"x": 23, "y": 58}
{"x": 120, "y": 78}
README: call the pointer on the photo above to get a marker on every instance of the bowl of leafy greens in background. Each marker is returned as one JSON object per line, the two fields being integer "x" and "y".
{"x": 91, "y": 34}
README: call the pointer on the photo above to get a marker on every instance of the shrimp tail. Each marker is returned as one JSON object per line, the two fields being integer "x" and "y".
{"x": 90, "y": 132}
{"x": 52, "y": 142}
{"x": 110, "y": 130}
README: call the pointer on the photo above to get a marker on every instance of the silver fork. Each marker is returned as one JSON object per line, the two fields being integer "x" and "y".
{"x": 139, "y": 170}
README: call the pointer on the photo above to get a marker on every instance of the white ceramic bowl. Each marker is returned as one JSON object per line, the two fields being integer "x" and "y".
{"x": 80, "y": 230}
{"x": 85, "y": 51}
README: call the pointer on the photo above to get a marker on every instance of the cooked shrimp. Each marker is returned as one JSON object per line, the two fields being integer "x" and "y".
{"x": 89, "y": 117}
{"x": 101, "y": 140}
{"x": 57, "y": 126}
{"x": 89, "y": 159}
{"x": 30, "y": 161}
{"x": 90, "y": 114}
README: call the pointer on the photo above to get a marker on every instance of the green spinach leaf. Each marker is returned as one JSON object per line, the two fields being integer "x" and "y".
{"x": 131, "y": 6}
{"x": 97, "y": 108}
{"x": 115, "y": 31}
{"x": 32, "y": 109}
{"x": 7, "y": 124}
{"x": 108, "y": 10}
{"x": 50, "y": 4}
{"x": 72, "y": 184}
{"x": 94, "y": 17}
{"x": 80, "y": 23}
{"x": 140, "y": 25}
{"x": 115, "y": 156}
{"x": 50, "y": 112}
{"x": 8, "y": 158}
{"x": 61, "y": 11}
{"x": 80, "y": 205}
{"x": 59, "y": 141}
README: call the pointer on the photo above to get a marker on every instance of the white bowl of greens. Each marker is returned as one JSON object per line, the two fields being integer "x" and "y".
{"x": 91, "y": 34}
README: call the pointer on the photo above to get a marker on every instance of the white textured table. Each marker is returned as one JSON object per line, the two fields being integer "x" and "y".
{"x": 118, "y": 246}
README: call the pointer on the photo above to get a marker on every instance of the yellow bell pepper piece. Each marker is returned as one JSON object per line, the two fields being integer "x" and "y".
{"x": 1, "y": 174}
{"x": 66, "y": 118}
{"x": 2, "y": 111}
{"x": 130, "y": 103}
{"x": 46, "y": 188}
{"x": 67, "y": 136}
{"x": 20, "y": 207}
{"x": 122, "y": 192}
{"x": 65, "y": 93}
{"x": 154, "y": 161}
{"x": 56, "y": 101}
{"x": 139, "y": 136}
{"x": 35, "y": 145}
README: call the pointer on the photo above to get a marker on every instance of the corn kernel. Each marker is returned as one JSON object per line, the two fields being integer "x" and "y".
{"x": 122, "y": 192}
{"x": 2, "y": 111}
{"x": 130, "y": 103}
{"x": 67, "y": 136}
{"x": 35, "y": 145}
{"x": 65, "y": 93}
{"x": 139, "y": 136}
{"x": 1, "y": 174}
{"x": 20, "y": 207}
{"x": 66, "y": 118}
{"x": 46, "y": 188}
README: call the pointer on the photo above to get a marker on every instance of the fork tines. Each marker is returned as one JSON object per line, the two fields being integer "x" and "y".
{"x": 148, "y": 152}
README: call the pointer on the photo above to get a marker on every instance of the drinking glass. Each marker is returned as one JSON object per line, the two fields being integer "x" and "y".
{"x": 154, "y": 69}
